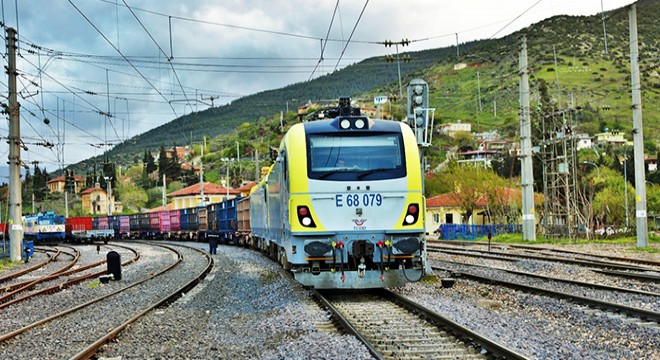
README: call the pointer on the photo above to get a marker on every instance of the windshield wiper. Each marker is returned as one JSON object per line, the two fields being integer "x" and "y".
{"x": 332, "y": 172}
{"x": 372, "y": 171}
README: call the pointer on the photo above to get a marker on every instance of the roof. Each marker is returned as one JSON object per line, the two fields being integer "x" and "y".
{"x": 62, "y": 179}
{"x": 247, "y": 187}
{"x": 91, "y": 190}
{"x": 209, "y": 188}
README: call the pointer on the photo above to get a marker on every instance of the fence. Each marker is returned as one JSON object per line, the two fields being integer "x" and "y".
{"x": 470, "y": 232}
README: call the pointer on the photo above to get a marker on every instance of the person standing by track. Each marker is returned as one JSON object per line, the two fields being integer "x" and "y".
{"x": 213, "y": 244}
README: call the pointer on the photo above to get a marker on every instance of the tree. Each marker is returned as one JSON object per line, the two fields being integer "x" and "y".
{"x": 132, "y": 196}
{"x": 149, "y": 163}
{"x": 40, "y": 183}
{"x": 163, "y": 162}
{"x": 609, "y": 203}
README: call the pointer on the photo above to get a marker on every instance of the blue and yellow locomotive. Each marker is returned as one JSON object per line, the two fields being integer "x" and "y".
{"x": 44, "y": 227}
{"x": 343, "y": 204}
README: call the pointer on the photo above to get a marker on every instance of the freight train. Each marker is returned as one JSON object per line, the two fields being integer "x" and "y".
{"x": 341, "y": 207}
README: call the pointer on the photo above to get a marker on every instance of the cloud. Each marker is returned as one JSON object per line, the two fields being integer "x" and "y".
{"x": 106, "y": 61}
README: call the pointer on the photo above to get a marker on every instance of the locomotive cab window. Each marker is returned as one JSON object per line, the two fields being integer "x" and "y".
{"x": 356, "y": 157}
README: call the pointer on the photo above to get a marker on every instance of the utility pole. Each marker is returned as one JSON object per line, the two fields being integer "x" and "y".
{"x": 256, "y": 165}
{"x": 164, "y": 190}
{"x": 201, "y": 178}
{"x": 602, "y": 14}
{"x": 479, "y": 90}
{"x": 15, "y": 223}
{"x": 638, "y": 135}
{"x": 528, "y": 217}
{"x": 238, "y": 158}
{"x": 403, "y": 42}
{"x": 108, "y": 183}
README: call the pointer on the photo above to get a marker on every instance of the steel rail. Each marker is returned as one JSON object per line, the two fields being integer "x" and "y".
{"x": 90, "y": 351}
{"x": 629, "y": 310}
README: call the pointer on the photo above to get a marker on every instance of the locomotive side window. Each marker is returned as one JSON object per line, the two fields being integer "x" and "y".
{"x": 350, "y": 157}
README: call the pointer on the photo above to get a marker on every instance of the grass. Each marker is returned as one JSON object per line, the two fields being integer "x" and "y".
{"x": 6, "y": 264}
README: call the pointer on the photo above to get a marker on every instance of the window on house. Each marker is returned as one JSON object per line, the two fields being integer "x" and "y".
{"x": 449, "y": 218}
{"x": 436, "y": 218}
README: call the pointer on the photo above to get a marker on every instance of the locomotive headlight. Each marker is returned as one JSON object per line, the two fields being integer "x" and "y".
{"x": 359, "y": 123}
{"x": 306, "y": 221}
{"x": 345, "y": 124}
{"x": 410, "y": 219}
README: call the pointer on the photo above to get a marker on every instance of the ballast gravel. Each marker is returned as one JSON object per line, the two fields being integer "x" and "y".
{"x": 246, "y": 308}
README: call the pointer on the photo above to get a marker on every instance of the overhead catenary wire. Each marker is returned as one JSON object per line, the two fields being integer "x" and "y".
{"x": 352, "y": 32}
{"x": 120, "y": 53}
{"x": 161, "y": 50}
{"x": 323, "y": 44}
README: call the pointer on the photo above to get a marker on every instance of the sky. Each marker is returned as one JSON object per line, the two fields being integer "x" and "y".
{"x": 103, "y": 71}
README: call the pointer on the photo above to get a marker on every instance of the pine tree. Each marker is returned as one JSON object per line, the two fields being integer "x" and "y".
{"x": 149, "y": 163}
{"x": 163, "y": 162}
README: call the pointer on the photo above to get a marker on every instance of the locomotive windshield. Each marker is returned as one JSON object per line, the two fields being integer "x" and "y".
{"x": 356, "y": 157}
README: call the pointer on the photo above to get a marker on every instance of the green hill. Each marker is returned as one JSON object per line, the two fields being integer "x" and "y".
{"x": 565, "y": 54}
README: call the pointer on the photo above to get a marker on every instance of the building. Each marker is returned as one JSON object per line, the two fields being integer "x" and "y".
{"x": 446, "y": 209}
{"x": 191, "y": 196}
{"x": 245, "y": 188}
{"x": 452, "y": 128}
{"x": 180, "y": 152}
{"x": 651, "y": 163}
{"x": 503, "y": 147}
{"x": 614, "y": 138}
{"x": 58, "y": 184}
{"x": 95, "y": 202}
{"x": 584, "y": 141}
{"x": 477, "y": 157}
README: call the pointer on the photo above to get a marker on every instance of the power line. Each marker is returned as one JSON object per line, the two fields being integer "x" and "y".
{"x": 352, "y": 32}
{"x": 161, "y": 50}
{"x": 332, "y": 20}
{"x": 122, "y": 55}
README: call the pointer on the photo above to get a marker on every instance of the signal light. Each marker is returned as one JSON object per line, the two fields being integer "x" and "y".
{"x": 412, "y": 214}
{"x": 304, "y": 217}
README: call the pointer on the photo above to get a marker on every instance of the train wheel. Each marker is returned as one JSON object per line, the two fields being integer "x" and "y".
{"x": 272, "y": 251}
{"x": 284, "y": 261}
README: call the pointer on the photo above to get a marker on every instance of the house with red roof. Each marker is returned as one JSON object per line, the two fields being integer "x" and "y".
{"x": 57, "y": 184}
{"x": 245, "y": 188}
{"x": 95, "y": 201}
{"x": 192, "y": 195}
{"x": 446, "y": 208}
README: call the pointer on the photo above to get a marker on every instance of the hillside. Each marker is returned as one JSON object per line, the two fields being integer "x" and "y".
{"x": 484, "y": 93}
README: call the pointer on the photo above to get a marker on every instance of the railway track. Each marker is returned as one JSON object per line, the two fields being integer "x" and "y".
{"x": 393, "y": 327}
{"x": 638, "y": 272}
{"x": 543, "y": 249}
{"x": 27, "y": 270}
{"x": 81, "y": 331}
{"x": 635, "y": 312}
{"x": 58, "y": 280}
